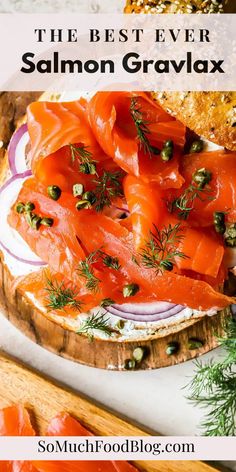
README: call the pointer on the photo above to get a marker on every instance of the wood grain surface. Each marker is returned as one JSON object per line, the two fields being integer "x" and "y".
{"x": 44, "y": 400}
{"x": 102, "y": 353}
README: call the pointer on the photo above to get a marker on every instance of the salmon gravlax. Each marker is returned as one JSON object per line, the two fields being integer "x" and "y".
{"x": 124, "y": 212}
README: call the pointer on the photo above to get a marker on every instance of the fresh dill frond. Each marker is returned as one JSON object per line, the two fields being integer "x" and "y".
{"x": 96, "y": 321}
{"x": 142, "y": 128}
{"x": 109, "y": 261}
{"x": 184, "y": 204}
{"x": 61, "y": 296}
{"x": 160, "y": 251}
{"x": 86, "y": 271}
{"x": 213, "y": 387}
{"x": 81, "y": 154}
{"x": 107, "y": 188}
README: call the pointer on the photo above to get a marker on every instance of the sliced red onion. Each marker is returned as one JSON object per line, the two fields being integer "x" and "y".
{"x": 145, "y": 312}
{"x": 10, "y": 240}
{"x": 17, "y": 150}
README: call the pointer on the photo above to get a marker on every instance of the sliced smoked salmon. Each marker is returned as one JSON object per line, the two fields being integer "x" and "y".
{"x": 114, "y": 126}
{"x": 146, "y": 206}
{"x": 222, "y": 195}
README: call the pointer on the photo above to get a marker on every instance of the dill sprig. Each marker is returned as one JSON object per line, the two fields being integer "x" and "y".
{"x": 107, "y": 188}
{"x": 86, "y": 271}
{"x": 85, "y": 158}
{"x": 61, "y": 296}
{"x": 184, "y": 204}
{"x": 142, "y": 129}
{"x": 96, "y": 321}
{"x": 214, "y": 387}
{"x": 160, "y": 250}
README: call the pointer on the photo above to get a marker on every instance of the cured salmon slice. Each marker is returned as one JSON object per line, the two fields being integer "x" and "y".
{"x": 171, "y": 287}
{"x": 15, "y": 421}
{"x": 145, "y": 205}
{"x": 113, "y": 125}
{"x": 222, "y": 196}
{"x": 64, "y": 425}
{"x": 52, "y": 125}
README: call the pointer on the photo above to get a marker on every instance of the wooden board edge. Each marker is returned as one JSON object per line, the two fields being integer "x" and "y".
{"x": 79, "y": 406}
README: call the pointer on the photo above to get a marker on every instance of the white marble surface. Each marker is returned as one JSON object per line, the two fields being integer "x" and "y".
{"x": 155, "y": 399}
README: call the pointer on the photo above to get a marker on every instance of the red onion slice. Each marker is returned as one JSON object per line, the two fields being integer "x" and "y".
{"x": 146, "y": 312}
{"x": 16, "y": 150}
{"x": 10, "y": 240}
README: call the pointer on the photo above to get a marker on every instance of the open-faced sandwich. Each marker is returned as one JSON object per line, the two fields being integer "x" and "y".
{"x": 116, "y": 221}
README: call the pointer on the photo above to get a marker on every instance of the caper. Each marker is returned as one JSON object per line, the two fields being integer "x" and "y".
{"x": 230, "y": 236}
{"x": 88, "y": 168}
{"x": 120, "y": 324}
{"x": 83, "y": 204}
{"x": 169, "y": 144}
{"x": 54, "y": 192}
{"x": 138, "y": 354}
{"x": 20, "y": 207}
{"x": 33, "y": 220}
{"x": 130, "y": 290}
{"x": 202, "y": 177}
{"x": 219, "y": 217}
{"x": 166, "y": 154}
{"x": 167, "y": 265}
{"x": 47, "y": 221}
{"x": 29, "y": 206}
{"x": 106, "y": 302}
{"x": 172, "y": 348}
{"x": 90, "y": 197}
{"x": 130, "y": 364}
{"x": 197, "y": 146}
{"x": 78, "y": 190}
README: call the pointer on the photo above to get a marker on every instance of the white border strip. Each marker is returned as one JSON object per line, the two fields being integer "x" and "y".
{"x": 93, "y": 448}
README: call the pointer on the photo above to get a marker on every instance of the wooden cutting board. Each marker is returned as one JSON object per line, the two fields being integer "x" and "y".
{"x": 44, "y": 399}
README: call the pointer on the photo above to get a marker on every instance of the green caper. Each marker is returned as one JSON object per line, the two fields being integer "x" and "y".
{"x": 83, "y": 205}
{"x": 219, "y": 217}
{"x": 33, "y": 220}
{"x": 169, "y": 144}
{"x": 29, "y": 206}
{"x": 130, "y": 290}
{"x": 220, "y": 229}
{"x": 54, "y": 192}
{"x": 130, "y": 364}
{"x": 230, "y": 236}
{"x": 120, "y": 324}
{"x": 172, "y": 348}
{"x": 167, "y": 154}
{"x": 90, "y": 197}
{"x": 78, "y": 190}
{"x": 167, "y": 265}
{"x": 197, "y": 146}
{"x": 202, "y": 177}
{"x": 88, "y": 168}
{"x": 138, "y": 354}
{"x": 106, "y": 302}
{"x": 194, "y": 343}
{"x": 47, "y": 221}
{"x": 20, "y": 207}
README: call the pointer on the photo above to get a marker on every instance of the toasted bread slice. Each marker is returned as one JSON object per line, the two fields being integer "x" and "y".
{"x": 180, "y": 6}
{"x": 211, "y": 115}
